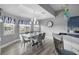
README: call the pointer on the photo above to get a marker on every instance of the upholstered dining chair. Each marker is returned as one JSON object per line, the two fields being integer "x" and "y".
{"x": 43, "y": 36}
{"x": 37, "y": 40}
{"x": 23, "y": 41}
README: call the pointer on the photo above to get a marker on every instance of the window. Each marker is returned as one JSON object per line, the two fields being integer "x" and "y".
{"x": 24, "y": 26}
{"x": 9, "y": 25}
{"x": 36, "y": 26}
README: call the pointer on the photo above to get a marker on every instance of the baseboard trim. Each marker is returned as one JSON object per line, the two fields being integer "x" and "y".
{"x": 9, "y": 43}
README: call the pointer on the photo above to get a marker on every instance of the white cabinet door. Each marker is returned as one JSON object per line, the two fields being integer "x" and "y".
{"x": 67, "y": 45}
{"x": 72, "y": 46}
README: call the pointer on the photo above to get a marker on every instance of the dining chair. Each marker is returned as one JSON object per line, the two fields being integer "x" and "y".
{"x": 23, "y": 41}
{"x": 43, "y": 36}
{"x": 37, "y": 40}
{"x": 34, "y": 43}
{"x": 59, "y": 46}
{"x": 40, "y": 37}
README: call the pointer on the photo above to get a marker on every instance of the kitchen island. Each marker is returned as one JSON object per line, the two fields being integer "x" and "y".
{"x": 70, "y": 42}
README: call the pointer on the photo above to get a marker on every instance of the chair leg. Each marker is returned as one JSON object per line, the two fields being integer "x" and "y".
{"x": 25, "y": 48}
{"x": 40, "y": 42}
{"x": 21, "y": 44}
{"x": 24, "y": 45}
{"x": 33, "y": 43}
{"x": 37, "y": 44}
{"x": 44, "y": 41}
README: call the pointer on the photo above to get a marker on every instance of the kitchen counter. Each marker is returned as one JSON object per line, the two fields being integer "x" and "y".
{"x": 71, "y": 42}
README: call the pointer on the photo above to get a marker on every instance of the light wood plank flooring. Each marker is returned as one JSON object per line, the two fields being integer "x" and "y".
{"x": 16, "y": 49}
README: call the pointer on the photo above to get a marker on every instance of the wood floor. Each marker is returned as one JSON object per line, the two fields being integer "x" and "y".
{"x": 16, "y": 49}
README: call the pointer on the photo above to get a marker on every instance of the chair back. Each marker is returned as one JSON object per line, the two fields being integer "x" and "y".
{"x": 43, "y": 36}
{"x": 40, "y": 37}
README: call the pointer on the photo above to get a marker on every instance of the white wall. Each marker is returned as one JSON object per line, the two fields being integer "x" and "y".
{"x": 60, "y": 25}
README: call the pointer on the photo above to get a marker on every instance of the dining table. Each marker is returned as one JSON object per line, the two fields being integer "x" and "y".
{"x": 32, "y": 36}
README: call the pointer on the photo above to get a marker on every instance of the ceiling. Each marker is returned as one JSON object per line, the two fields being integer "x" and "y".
{"x": 73, "y": 8}
{"x": 27, "y": 10}
{"x": 40, "y": 12}
{"x": 54, "y": 9}
{"x": 57, "y": 7}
